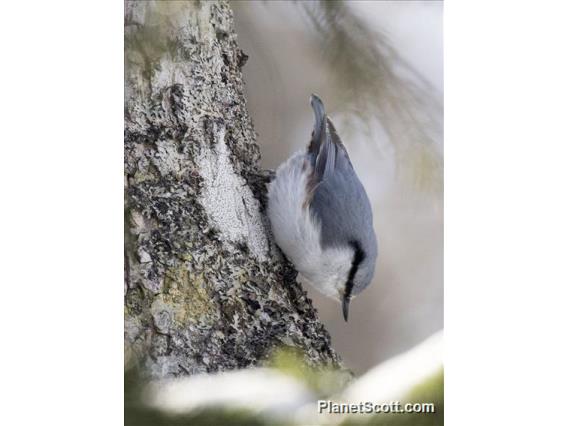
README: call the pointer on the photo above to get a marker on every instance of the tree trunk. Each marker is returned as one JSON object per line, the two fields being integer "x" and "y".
{"x": 206, "y": 289}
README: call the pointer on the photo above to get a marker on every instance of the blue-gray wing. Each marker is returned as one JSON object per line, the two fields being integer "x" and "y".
{"x": 341, "y": 205}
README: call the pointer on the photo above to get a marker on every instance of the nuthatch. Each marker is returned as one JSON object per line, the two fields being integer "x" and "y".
{"x": 321, "y": 216}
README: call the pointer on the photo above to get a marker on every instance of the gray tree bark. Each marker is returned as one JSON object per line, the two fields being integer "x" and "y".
{"x": 206, "y": 289}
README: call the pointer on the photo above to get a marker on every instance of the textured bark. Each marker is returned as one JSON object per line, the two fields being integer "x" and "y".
{"x": 206, "y": 288}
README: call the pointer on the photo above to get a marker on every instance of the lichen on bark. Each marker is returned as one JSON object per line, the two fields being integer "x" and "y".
{"x": 206, "y": 288}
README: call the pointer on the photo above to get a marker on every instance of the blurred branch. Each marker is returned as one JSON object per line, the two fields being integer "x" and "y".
{"x": 376, "y": 84}
{"x": 288, "y": 392}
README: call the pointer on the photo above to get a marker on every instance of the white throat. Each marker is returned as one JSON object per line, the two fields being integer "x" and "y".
{"x": 328, "y": 271}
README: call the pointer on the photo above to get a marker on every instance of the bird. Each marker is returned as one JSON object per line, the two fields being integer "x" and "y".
{"x": 321, "y": 217}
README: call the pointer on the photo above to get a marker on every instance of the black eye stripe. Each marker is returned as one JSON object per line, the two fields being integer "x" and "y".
{"x": 357, "y": 259}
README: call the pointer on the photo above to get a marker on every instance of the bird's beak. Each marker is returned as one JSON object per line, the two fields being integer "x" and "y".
{"x": 345, "y": 304}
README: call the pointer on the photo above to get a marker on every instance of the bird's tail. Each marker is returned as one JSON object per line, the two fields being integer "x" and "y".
{"x": 319, "y": 131}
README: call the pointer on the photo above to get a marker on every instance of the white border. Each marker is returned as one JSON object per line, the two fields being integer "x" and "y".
{"x": 506, "y": 213}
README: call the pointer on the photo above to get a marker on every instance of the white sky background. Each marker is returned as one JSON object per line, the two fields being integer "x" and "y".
{"x": 404, "y": 304}
{"x": 415, "y": 29}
